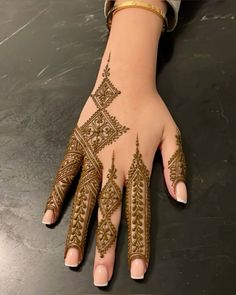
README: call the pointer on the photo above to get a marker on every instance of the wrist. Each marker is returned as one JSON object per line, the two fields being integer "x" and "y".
{"x": 131, "y": 79}
{"x": 133, "y": 45}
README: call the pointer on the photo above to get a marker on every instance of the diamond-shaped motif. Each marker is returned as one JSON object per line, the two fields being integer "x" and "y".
{"x": 106, "y": 91}
{"x": 106, "y": 235}
{"x": 102, "y": 129}
{"x": 109, "y": 201}
{"x": 105, "y": 94}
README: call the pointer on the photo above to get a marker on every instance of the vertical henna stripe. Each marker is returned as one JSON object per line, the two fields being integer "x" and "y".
{"x": 137, "y": 209}
{"x": 109, "y": 200}
{"x": 177, "y": 163}
{"x": 83, "y": 204}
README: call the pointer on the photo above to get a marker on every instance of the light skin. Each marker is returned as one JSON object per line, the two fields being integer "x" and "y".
{"x": 133, "y": 43}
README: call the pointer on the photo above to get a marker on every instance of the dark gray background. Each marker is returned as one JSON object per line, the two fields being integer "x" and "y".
{"x": 50, "y": 53}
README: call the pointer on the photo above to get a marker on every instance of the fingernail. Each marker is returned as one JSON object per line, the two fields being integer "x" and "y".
{"x": 72, "y": 257}
{"x": 101, "y": 276}
{"x": 48, "y": 217}
{"x": 137, "y": 269}
{"x": 181, "y": 192}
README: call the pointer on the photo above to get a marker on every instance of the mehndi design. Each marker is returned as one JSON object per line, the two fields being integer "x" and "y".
{"x": 137, "y": 208}
{"x": 106, "y": 92}
{"x": 100, "y": 130}
{"x": 68, "y": 169}
{"x": 108, "y": 201}
{"x": 83, "y": 204}
{"x": 177, "y": 163}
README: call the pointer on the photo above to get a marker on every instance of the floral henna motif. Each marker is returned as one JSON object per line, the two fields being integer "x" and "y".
{"x": 137, "y": 209}
{"x": 177, "y": 163}
{"x": 109, "y": 200}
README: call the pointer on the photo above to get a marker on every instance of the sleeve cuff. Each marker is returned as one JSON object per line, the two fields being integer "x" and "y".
{"x": 171, "y": 14}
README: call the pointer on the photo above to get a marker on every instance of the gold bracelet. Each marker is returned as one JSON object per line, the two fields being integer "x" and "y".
{"x": 139, "y": 4}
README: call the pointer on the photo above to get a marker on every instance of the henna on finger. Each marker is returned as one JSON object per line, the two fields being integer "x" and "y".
{"x": 83, "y": 204}
{"x": 137, "y": 208}
{"x": 65, "y": 175}
{"x": 100, "y": 130}
{"x": 109, "y": 200}
{"x": 177, "y": 163}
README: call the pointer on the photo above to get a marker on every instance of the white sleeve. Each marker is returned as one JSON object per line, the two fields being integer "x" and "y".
{"x": 171, "y": 14}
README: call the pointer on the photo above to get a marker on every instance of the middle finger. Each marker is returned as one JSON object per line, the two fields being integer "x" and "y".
{"x": 83, "y": 203}
{"x": 109, "y": 216}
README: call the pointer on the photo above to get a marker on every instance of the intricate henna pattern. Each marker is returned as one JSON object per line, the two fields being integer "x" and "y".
{"x": 108, "y": 201}
{"x": 83, "y": 204}
{"x": 86, "y": 141}
{"x": 99, "y": 130}
{"x": 106, "y": 92}
{"x": 137, "y": 209}
{"x": 177, "y": 163}
{"x": 67, "y": 170}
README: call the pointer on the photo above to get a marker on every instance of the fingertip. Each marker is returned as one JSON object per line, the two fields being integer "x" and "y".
{"x": 101, "y": 276}
{"x": 48, "y": 217}
{"x": 73, "y": 258}
{"x": 137, "y": 269}
{"x": 181, "y": 192}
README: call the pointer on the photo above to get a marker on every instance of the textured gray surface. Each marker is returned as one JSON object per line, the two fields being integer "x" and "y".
{"x": 50, "y": 53}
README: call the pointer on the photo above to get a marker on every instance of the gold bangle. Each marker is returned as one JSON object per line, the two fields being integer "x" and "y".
{"x": 139, "y": 4}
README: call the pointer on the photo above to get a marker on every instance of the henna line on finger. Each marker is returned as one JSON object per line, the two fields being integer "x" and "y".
{"x": 137, "y": 208}
{"x": 109, "y": 200}
{"x": 100, "y": 130}
{"x": 177, "y": 162}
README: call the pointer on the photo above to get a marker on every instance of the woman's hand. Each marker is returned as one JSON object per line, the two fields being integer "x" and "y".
{"x": 114, "y": 143}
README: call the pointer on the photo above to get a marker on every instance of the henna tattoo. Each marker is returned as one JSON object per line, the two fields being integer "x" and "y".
{"x": 177, "y": 163}
{"x": 106, "y": 92}
{"x": 66, "y": 173}
{"x": 102, "y": 129}
{"x": 137, "y": 209}
{"x": 83, "y": 204}
{"x": 109, "y": 200}
{"x": 99, "y": 130}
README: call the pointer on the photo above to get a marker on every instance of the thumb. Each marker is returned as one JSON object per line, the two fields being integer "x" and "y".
{"x": 174, "y": 164}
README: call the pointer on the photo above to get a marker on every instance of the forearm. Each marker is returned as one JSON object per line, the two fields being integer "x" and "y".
{"x": 133, "y": 43}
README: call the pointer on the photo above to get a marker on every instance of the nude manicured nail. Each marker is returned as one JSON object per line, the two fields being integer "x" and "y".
{"x": 72, "y": 257}
{"x": 137, "y": 269}
{"x": 181, "y": 192}
{"x": 101, "y": 276}
{"x": 48, "y": 217}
